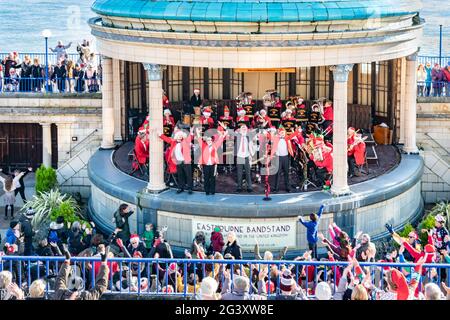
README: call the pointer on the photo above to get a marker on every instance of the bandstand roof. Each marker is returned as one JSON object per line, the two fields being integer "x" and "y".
{"x": 254, "y": 10}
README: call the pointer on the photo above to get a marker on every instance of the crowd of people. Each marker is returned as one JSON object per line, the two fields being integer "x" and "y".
{"x": 274, "y": 139}
{"x": 433, "y": 81}
{"x": 258, "y": 278}
{"x": 66, "y": 75}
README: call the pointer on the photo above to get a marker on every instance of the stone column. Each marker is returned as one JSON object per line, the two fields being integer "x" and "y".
{"x": 117, "y": 100}
{"x": 402, "y": 86}
{"x": 340, "y": 77}
{"x": 410, "y": 105}
{"x": 107, "y": 105}
{"x": 46, "y": 144}
{"x": 156, "y": 170}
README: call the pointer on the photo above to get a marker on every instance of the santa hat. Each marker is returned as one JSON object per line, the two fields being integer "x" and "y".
{"x": 196, "y": 90}
{"x": 288, "y": 110}
{"x": 281, "y": 129}
{"x": 351, "y": 129}
{"x": 141, "y": 130}
{"x": 167, "y": 289}
{"x": 272, "y": 287}
{"x": 400, "y": 282}
{"x": 172, "y": 267}
{"x": 134, "y": 237}
{"x": 207, "y": 111}
{"x": 241, "y": 111}
{"x": 179, "y": 134}
{"x": 262, "y": 111}
{"x": 167, "y": 111}
{"x": 286, "y": 281}
{"x": 226, "y": 109}
{"x": 300, "y": 99}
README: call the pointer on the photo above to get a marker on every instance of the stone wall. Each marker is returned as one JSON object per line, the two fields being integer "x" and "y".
{"x": 79, "y": 126}
{"x": 433, "y": 138}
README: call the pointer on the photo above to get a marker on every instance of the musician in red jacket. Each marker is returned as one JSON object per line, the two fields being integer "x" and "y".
{"x": 261, "y": 120}
{"x": 242, "y": 118}
{"x": 180, "y": 152}
{"x": 141, "y": 147}
{"x": 327, "y": 115}
{"x": 168, "y": 122}
{"x": 206, "y": 119}
{"x": 351, "y": 143}
{"x": 226, "y": 119}
{"x": 209, "y": 159}
{"x": 282, "y": 149}
{"x": 323, "y": 159}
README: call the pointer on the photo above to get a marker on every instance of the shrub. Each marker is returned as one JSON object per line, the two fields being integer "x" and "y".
{"x": 406, "y": 230}
{"x": 426, "y": 223}
{"x": 45, "y": 179}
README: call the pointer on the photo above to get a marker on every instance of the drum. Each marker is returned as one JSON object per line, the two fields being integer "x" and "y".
{"x": 301, "y": 115}
{"x": 187, "y": 119}
{"x": 314, "y": 116}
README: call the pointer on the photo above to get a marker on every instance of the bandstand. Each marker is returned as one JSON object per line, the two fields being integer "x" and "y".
{"x": 355, "y": 52}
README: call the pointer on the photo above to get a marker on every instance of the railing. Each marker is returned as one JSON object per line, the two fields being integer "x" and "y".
{"x": 57, "y": 85}
{"x": 433, "y": 88}
{"x": 27, "y": 269}
{"x": 86, "y": 139}
{"x": 52, "y": 57}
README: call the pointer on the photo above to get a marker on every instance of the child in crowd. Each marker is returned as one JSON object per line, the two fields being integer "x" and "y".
{"x": 148, "y": 235}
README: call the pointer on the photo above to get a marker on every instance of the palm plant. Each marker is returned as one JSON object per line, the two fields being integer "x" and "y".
{"x": 47, "y": 202}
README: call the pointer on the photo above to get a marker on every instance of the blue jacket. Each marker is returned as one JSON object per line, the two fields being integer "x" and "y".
{"x": 312, "y": 227}
{"x": 428, "y": 79}
{"x": 10, "y": 236}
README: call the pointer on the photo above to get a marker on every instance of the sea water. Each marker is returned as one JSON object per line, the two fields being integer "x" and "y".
{"x": 23, "y": 21}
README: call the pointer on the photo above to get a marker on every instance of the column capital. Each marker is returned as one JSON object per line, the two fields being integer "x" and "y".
{"x": 106, "y": 57}
{"x": 340, "y": 72}
{"x": 412, "y": 57}
{"x": 154, "y": 71}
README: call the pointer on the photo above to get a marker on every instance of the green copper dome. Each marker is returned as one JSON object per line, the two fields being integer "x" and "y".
{"x": 255, "y": 10}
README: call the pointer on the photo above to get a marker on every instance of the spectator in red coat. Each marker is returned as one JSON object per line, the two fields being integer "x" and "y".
{"x": 141, "y": 147}
{"x": 217, "y": 241}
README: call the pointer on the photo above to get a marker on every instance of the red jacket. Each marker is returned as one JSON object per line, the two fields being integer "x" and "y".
{"x": 327, "y": 161}
{"x": 257, "y": 120}
{"x": 209, "y": 121}
{"x": 141, "y": 150}
{"x": 205, "y": 155}
{"x": 417, "y": 254}
{"x": 328, "y": 113}
{"x": 217, "y": 242}
{"x": 171, "y": 121}
{"x": 185, "y": 148}
{"x": 359, "y": 152}
{"x": 276, "y": 139}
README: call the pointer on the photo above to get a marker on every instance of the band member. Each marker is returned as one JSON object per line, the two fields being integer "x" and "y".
{"x": 166, "y": 102}
{"x": 275, "y": 110}
{"x": 196, "y": 99}
{"x": 322, "y": 156}
{"x": 282, "y": 149}
{"x": 241, "y": 118}
{"x": 356, "y": 151}
{"x": 180, "y": 152}
{"x": 327, "y": 115}
{"x": 209, "y": 159}
{"x": 206, "y": 120}
{"x": 141, "y": 147}
{"x": 168, "y": 122}
{"x": 301, "y": 114}
{"x": 226, "y": 119}
{"x": 244, "y": 151}
{"x": 261, "y": 120}
{"x": 288, "y": 121}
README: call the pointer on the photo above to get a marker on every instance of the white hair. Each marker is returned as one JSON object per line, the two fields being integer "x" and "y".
{"x": 241, "y": 283}
{"x": 268, "y": 255}
{"x": 432, "y": 291}
{"x": 208, "y": 287}
{"x": 5, "y": 279}
{"x": 323, "y": 291}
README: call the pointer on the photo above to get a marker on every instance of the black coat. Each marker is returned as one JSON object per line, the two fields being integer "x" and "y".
{"x": 75, "y": 242}
{"x": 26, "y": 229}
{"x": 234, "y": 249}
{"x": 163, "y": 249}
{"x": 59, "y": 72}
{"x": 25, "y": 70}
{"x": 36, "y": 71}
{"x": 122, "y": 223}
{"x": 196, "y": 101}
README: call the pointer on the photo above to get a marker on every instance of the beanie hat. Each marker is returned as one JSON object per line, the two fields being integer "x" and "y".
{"x": 76, "y": 283}
{"x": 323, "y": 291}
{"x": 167, "y": 111}
{"x": 13, "y": 224}
{"x": 286, "y": 281}
{"x": 30, "y": 212}
{"x": 440, "y": 218}
{"x": 272, "y": 287}
{"x": 60, "y": 220}
{"x": 217, "y": 229}
{"x": 157, "y": 234}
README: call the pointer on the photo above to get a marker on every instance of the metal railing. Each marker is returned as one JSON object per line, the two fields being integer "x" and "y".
{"x": 433, "y": 88}
{"x": 138, "y": 271}
{"x": 52, "y": 57}
{"x": 442, "y": 61}
{"x": 56, "y": 85}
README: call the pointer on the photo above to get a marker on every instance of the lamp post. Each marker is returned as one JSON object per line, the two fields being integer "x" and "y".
{"x": 46, "y": 33}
